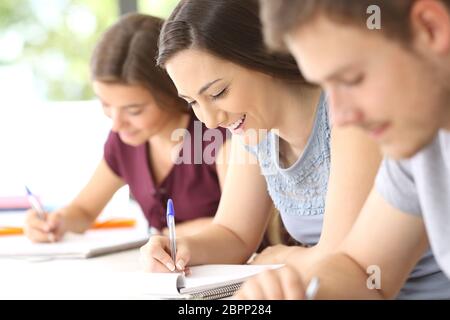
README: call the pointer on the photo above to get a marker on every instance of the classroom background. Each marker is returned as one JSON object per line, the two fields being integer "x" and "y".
{"x": 52, "y": 128}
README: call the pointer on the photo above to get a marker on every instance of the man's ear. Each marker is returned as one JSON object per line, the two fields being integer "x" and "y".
{"x": 430, "y": 24}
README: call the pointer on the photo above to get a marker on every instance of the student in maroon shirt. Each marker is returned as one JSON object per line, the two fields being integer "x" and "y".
{"x": 151, "y": 127}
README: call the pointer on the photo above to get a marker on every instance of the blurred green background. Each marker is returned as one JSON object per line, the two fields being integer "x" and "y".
{"x": 45, "y": 45}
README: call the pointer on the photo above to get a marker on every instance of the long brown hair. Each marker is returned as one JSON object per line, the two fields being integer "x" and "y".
{"x": 229, "y": 29}
{"x": 126, "y": 54}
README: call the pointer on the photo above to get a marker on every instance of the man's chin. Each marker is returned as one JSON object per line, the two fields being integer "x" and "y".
{"x": 401, "y": 151}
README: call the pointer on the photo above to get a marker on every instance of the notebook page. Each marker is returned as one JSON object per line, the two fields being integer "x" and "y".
{"x": 213, "y": 276}
{"x": 177, "y": 286}
{"x": 89, "y": 244}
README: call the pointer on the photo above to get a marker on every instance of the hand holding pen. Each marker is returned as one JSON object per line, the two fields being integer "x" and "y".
{"x": 36, "y": 205}
{"x": 163, "y": 254}
{"x": 39, "y": 225}
{"x": 179, "y": 262}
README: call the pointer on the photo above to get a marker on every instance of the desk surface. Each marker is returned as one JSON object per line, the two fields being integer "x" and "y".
{"x": 68, "y": 278}
{"x": 102, "y": 277}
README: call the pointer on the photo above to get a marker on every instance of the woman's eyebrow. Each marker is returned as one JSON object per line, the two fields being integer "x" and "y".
{"x": 206, "y": 86}
{"x": 202, "y": 89}
{"x": 133, "y": 105}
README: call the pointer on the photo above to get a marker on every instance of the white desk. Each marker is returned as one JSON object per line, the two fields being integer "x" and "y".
{"x": 41, "y": 278}
{"x": 104, "y": 277}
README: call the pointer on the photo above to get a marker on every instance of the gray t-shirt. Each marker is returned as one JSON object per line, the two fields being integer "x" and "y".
{"x": 421, "y": 186}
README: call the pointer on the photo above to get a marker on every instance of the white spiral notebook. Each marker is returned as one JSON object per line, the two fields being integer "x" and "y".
{"x": 205, "y": 282}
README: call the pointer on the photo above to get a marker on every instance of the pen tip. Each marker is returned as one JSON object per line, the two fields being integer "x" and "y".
{"x": 170, "y": 210}
{"x": 28, "y": 190}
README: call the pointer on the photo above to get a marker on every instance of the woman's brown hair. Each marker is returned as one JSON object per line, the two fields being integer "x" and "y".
{"x": 126, "y": 54}
{"x": 229, "y": 29}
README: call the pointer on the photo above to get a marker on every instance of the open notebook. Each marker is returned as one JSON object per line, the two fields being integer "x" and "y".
{"x": 205, "y": 282}
{"x": 90, "y": 244}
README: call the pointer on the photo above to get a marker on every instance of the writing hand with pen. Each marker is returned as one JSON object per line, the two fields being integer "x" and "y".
{"x": 166, "y": 254}
{"x": 41, "y": 226}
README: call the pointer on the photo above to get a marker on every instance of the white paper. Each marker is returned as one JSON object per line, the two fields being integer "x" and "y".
{"x": 89, "y": 244}
{"x": 201, "y": 278}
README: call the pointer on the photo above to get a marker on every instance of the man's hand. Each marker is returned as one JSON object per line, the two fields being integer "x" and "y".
{"x": 279, "y": 284}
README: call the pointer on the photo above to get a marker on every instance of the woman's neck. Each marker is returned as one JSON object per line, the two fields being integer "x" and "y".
{"x": 293, "y": 110}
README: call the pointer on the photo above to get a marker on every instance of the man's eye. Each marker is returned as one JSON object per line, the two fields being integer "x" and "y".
{"x": 355, "y": 81}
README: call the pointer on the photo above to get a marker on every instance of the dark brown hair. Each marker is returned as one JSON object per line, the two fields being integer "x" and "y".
{"x": 126, "y": 54}
{"x": 228, "y": 29}
{"x": 279, "y": 17}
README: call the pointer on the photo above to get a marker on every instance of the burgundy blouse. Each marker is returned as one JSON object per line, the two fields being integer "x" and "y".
{"x": 194, "y": 187}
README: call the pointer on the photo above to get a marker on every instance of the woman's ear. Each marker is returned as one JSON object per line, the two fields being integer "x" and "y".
{"x": 430, "y": 23}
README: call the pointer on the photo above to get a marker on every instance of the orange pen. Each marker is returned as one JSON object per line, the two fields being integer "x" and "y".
{"x": 107, "y": 224}
{"x": 10, "y": 231}
{"x": 114, "y": 223}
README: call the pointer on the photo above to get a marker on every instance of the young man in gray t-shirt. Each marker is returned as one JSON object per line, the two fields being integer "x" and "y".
{"x": 420, "y": 186}
{"x": 386, "y": 68}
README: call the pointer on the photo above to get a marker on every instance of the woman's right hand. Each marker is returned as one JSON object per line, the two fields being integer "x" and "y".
{"x": 155, "y": 255}
{"x": 51, "y": 229}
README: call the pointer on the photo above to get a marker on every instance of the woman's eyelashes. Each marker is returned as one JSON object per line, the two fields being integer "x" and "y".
{"x": 353, "y": 81}
{"x": 135, "y": 112}
{"x": 221, "y": 94}
{"x": 214, "y": 97}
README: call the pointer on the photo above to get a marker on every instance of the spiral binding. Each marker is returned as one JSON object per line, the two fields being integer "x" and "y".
{"x": 217, "y": 293}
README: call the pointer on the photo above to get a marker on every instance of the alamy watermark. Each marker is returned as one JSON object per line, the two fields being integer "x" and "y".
{"x": 374, "y": 280}
{"x": 202, "y": 146}
{"x": 374, "y": 20}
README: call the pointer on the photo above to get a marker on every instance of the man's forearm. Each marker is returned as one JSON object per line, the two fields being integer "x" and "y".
{"x": 341, "y": 278}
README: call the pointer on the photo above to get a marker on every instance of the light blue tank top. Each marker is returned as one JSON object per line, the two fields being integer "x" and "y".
{"x": 299, "y": 193}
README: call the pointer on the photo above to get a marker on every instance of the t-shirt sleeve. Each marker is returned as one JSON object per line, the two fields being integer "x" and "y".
{"x": 395, "y": 183}
{"x": 110, "y": 153}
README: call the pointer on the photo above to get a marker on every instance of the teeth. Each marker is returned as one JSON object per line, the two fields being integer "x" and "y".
{"x": 236, "y": 124}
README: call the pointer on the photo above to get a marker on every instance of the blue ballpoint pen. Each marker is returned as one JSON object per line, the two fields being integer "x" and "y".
{"x": 171, "y": 226}
{"x": 35, "y": 204}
